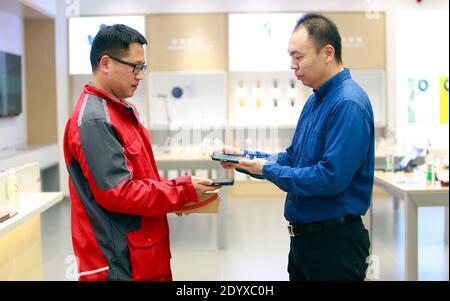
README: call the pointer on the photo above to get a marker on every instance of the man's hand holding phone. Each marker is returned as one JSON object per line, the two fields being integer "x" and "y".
{"x": 228, "y": 150}
{"x": 202, "y": 185}
{"x": 233, "y": 158}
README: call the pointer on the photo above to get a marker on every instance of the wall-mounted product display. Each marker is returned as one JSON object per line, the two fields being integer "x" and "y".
{"x": 187, "y": 42}
{"x": 187, "y": 100}
{"x": 411, "y": 101}
{"x": 420, "y": 92}
{"x": 259, "y": 42}
{"x": 10, "y": 84}
{"x": 363, "y": 39}
{"x": 421, "y": 98}
{"x": 265, "y": 98}
{"x": 82, "y": 31}
{"x": 443, "y": 87}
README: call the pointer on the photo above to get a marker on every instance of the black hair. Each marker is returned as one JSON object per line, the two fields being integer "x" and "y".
{"x": 114, "y": 40}
{"x": 323, "y": 32}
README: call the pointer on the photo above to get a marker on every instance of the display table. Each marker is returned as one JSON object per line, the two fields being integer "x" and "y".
{"x": 20, "y": 237}
{"x": 46, "y": 155}
{"x": 413, "y": 190}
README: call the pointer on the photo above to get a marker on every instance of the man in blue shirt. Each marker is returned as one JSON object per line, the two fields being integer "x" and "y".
{"x": 328, "y": 169}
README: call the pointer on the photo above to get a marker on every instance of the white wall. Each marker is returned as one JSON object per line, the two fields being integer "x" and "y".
{"x": 62, "y": 87}
{"x": 13, "y": 130}
{"x": 120, "y": 7}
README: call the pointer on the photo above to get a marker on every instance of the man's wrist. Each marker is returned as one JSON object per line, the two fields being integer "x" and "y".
{"x": 249, "y": 153}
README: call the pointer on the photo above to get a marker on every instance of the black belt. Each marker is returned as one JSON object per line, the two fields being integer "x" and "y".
{"x": 298, "y": 229}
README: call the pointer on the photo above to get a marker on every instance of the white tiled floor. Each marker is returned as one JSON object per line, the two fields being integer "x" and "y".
{"x": 258, "y": 243}
{"x": 56, "y": 241}
{"x": 388, "y": 241}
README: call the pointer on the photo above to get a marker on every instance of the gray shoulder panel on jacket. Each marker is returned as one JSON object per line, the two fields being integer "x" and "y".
{"x": 93, "y": 107}
{"x": 102, "y": 149}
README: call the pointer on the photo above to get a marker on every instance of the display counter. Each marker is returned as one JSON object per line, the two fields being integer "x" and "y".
{"x": 20, "y": 237}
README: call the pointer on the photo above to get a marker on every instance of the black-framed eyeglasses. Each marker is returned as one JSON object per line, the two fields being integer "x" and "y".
{"x": 136, "y": 67}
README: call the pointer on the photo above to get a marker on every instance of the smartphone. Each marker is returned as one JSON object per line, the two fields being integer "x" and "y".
{"x": 222, "y": 182}
{"x": 228, "y": 158}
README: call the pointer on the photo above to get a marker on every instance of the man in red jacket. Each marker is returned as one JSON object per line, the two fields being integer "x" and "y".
{"x": 119, "y": 200}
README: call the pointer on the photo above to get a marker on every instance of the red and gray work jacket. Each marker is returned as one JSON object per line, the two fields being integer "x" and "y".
{"x": 119, "y": 201}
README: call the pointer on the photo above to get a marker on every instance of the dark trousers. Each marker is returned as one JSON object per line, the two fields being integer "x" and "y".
{"x": 336, "y": 253}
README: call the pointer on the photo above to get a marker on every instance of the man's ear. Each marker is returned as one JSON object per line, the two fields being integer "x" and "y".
{"x": 329, "y": 53}
{"x": 103, "y": 64}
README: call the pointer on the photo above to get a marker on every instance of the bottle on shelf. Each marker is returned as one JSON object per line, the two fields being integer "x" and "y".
{"x": 240, "y": 94}
{"x": 12, "y": 192}
{"x": 429, "y": 169}
{"x": 292, "y": 92}
{"x": 429, "y": 165}
{"x": 292, "y": 83}
{"x": 275, "y": 93}
{"x": 258, "y": 94}
{"x": 390, "y": 159}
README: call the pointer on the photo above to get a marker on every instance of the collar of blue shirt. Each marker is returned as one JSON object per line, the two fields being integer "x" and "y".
{"x": 331, "y": 83}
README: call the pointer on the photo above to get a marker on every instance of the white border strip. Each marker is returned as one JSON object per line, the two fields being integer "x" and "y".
{"x": 93, "y": 271}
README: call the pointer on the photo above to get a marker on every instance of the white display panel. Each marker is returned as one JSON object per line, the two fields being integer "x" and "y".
{"x": 201, "y": 104}
{"x": 82, "y": 31}
{"x": 422, "y": 54}
{"x": 265, "y": 99}
{"x": 373, "y": 83}
{"x": 259, "y": 42}
{"x": 281, "y": 106}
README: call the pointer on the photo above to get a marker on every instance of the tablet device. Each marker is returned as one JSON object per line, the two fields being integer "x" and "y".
{"x": 227, "y": 157}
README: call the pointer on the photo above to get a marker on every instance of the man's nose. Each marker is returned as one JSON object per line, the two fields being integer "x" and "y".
{"x": 293, "y": 65}
{"x": 140, "y": 76}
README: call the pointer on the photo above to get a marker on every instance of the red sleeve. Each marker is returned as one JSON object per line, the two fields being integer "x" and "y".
{"x": 103, "y": 162}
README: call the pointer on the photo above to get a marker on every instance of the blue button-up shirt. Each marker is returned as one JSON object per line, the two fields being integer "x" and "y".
{"x": 328, "y": 169}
